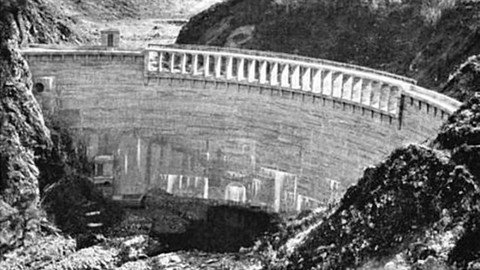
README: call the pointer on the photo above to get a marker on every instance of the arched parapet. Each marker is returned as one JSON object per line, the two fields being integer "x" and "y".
{"x": 370, "y": 89}
{"x": 283, "y": 56}
{"x": 432, "y": 100}
{"x": 373, "y": 90}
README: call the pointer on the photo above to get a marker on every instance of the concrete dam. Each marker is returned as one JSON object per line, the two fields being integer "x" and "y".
{"x": 274, "y": 130}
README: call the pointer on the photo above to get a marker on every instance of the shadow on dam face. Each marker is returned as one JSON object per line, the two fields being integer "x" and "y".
{"x": 195, "y": 224}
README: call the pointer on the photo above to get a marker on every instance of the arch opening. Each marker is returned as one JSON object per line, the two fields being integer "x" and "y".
{"x": 38, "y": 88}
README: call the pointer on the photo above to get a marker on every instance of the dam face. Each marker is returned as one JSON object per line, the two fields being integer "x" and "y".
{"x": 273, "y": 130}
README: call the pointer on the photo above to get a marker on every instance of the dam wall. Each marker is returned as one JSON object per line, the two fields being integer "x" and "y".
{"x": 274, "y": 130}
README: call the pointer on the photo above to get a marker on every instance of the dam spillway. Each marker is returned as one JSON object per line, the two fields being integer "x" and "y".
{"x": 269, "y": 129}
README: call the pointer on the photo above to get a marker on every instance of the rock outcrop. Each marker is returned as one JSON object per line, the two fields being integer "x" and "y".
{"x": 465, "y": 81}
{"x": 44, "y": 22}
{"x": 394, "y": 204}
{"x": 22, "y": 132}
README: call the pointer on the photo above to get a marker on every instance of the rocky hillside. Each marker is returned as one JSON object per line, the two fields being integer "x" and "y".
{"x": 43, "y": 21}
{"x": 220, "y": 23}
{"x": 74, "y": 22}
{"x": 463, "y": 83}
{"x": 425, "y": 40}
{"x": 416, "y": 197}
{"x": 22, "y": 133}
{"x": 110, "y": 10}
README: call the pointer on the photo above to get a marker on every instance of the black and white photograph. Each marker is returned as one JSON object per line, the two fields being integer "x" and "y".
{"x": 239, "y": 134}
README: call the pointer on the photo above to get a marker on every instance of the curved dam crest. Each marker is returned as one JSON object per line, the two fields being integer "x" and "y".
{"x": 279, "y": 131}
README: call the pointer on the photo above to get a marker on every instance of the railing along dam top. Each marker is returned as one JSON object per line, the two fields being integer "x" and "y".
{"x": 368, "y": 88}
{"x": 365, "y": 87}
